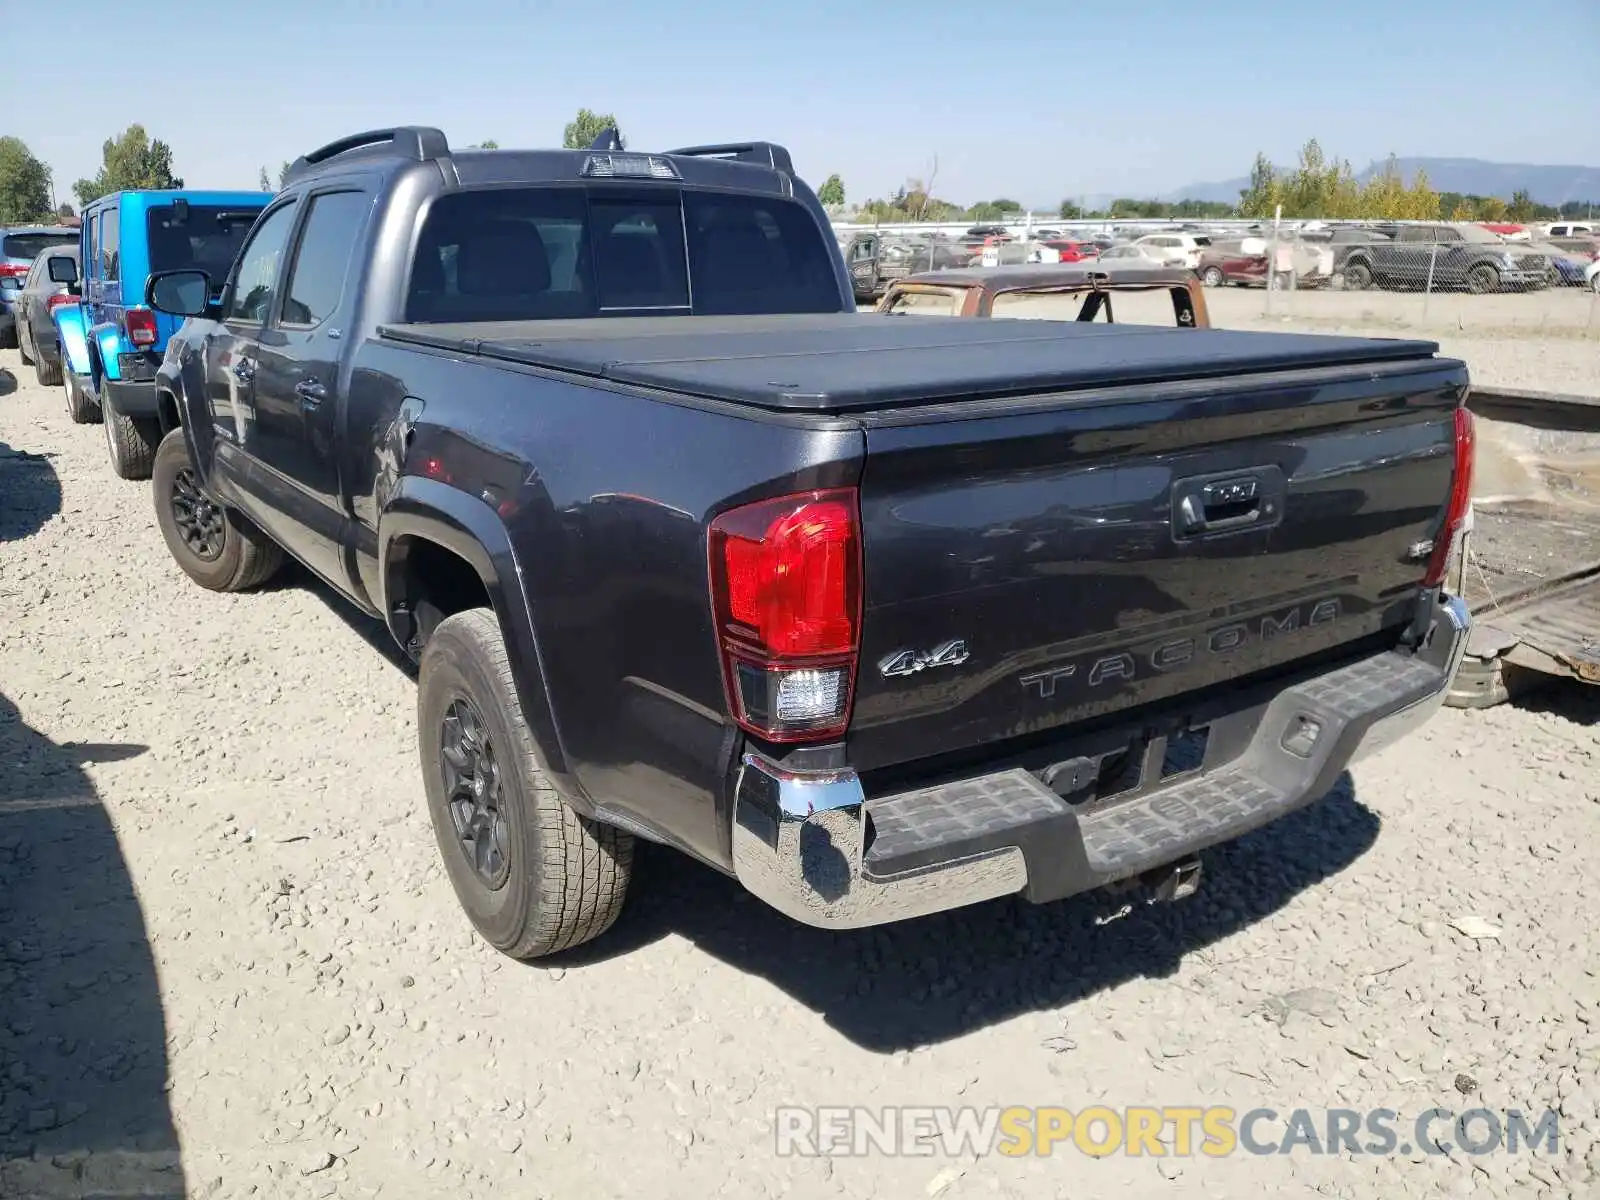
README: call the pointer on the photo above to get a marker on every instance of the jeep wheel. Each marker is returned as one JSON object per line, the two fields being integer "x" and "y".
{"x": 47, "y": 373}
{"x": 1213, "y": 277}
{"x": 132, "y": 443}
{"x": 216, "y": 547}
{"x": 1357, "y": 277}
{"x": 80, "y": 407}
{"x": 22, "y": 346}
{"x": 533, "y": 876}
{"x": 1482, "y": 279}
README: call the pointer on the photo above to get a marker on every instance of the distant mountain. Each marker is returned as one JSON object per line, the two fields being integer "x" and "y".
{"x": 1469, "y": 176}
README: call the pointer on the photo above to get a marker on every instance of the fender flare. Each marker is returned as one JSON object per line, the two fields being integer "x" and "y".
{"x": 107, "y": 344}
{"x": 465, "y": 526}
{"x": 70, "y": 332}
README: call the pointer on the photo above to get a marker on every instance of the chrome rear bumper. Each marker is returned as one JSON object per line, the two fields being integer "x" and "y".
{"x": 813, "y": 846}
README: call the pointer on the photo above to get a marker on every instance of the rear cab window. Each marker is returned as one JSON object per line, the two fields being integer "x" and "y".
{"x": 929, "y": 302}
{"x": 572, "y": 251}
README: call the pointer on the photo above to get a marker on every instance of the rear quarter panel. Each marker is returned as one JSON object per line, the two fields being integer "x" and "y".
{"x": 605, "y": 494}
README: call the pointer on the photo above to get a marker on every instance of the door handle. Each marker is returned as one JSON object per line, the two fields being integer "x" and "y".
{"x": 311, "y": 392}
{"x": 244, "y": 371}
{"x": 1224, "y": 504}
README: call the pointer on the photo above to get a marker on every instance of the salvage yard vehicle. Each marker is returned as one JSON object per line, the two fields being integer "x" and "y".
{"x": 1532, "y": 571}
{"x": 34, "y": 307}
{"x": 19, "y": 246}
{"x": 880, "y": 617}
{"x": 1441, "y": 258}
{"x": 875, "y": 259}
{"x": 1073, "y": 292}
{"x": 110, "y": 341}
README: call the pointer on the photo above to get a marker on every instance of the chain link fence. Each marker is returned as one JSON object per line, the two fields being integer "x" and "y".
{"x": 1423, "y": 278}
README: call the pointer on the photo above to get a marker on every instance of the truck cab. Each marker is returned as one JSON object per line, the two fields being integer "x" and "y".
{"x": 111, "y": 341}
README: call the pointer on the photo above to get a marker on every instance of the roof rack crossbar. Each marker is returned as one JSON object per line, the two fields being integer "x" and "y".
{"x": 761, "y": 154}
{"x": 419, "y": 143}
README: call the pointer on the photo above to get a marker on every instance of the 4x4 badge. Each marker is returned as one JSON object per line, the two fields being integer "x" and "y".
{"x": 909, "y": 662}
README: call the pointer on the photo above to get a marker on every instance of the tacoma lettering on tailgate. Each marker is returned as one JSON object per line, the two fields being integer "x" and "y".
{"x": 1179, "y": 652}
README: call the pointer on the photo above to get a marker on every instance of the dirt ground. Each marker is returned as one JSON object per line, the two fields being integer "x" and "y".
{"x": 230, "y": 964}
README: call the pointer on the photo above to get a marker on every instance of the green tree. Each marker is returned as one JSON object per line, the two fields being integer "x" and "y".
{"x": 1265, "y": 192}
{"x": 1521, "y": 207}
{"x": 65, "y": 212}
{"x": 1069, "y": 211}
{"x": 24, "y": 184}
{"x": 831, "y": 193}
{"x": 133, "y": 160}
{"x": 582, "y": 130}
{"x": 486, "y": 144}
{"x": 264, "y": 181}
{"x": 283, "y": 175}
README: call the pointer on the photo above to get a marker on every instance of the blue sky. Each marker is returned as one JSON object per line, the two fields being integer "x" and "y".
{"x": 1024, "y": 99}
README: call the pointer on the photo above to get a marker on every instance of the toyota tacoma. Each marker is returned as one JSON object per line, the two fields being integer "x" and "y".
{"x": 880, "y": 617}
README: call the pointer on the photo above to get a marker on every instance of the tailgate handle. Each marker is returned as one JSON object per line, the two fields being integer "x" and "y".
{"x": 1223, "y": 504}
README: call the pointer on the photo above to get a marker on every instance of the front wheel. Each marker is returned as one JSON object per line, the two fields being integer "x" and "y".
{"x": 1212, "y": 277}
{"x": 1483, "y": 279}
{"x": 534, "y": 876}
{"x": 216, "y": 547}
{"x": 1357, "y": 277}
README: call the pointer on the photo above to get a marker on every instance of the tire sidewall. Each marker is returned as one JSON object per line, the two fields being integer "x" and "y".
{"x": 455, "y": 666}
{"x": 171, "y": 456}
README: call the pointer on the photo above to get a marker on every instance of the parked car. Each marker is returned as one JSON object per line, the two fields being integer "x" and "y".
{"x": 880, "y": 617}
{"x": 1243, "y": 262}
{"x": 1567, "y": 229}
{"x": 1136, "y": 253}
{"x": 1566, "y": 266}
{"x": 1175, "y": 249}
{"x": 1067, "y": 250}
{"x": 19, "y": 246}
{"x": 1591, "y": 275}
{"x": 111, "y": 341}
{"x": 1444, "y": 257}
{"x": 34, "y": 309}
{"x": 875, "y": 258}
{"x": 1083, "y": 292}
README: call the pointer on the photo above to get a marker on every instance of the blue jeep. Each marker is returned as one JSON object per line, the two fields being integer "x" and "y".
{"x": 111, "y": 343}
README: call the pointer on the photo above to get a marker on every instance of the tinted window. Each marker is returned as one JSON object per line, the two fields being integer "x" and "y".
{"x": 111, "y": 245}
{"x": 518, "y": 253}
{"x": 258, "y": 267}
{"x": 91, "y": 261}
{"x": 316, "y": 281}
{"x": 28, "y": 245}
{"x": 197, "y": 237}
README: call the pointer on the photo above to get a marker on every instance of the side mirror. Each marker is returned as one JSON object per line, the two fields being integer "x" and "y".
{"x": 179, "y": 293}
{"x": 62, "y": 269}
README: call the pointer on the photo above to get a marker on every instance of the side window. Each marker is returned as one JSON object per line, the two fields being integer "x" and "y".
{"x": 110, "y": 245}
{"x": 91, "y": 247}
{"x": 35, "y": 272}
{"x": 316, "y": 280}
{"x": 251, "y": 297}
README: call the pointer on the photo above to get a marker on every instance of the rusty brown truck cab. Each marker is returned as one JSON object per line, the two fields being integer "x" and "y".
{"x": 1065, "y": 292}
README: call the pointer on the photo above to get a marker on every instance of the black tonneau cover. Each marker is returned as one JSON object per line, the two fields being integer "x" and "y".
{"x": 840, "y": 361}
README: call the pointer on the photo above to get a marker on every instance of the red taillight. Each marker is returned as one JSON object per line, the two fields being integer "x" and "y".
{"x": 141, "y": 326}
{"x": 1455, "y": 513}
{"x": 786, "y": 593}
{"x": 15, "y": 270}
{"x": 55, "y": 301}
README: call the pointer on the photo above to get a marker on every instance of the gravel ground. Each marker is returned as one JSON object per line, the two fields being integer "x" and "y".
{"x": 230, "y": 964}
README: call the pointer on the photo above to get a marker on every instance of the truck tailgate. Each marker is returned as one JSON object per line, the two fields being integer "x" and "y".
{"x": 1041, "y": 562}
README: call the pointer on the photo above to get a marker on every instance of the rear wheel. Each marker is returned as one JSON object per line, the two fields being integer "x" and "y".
{"x": 533, "y": 876}
{"x": 219, "y": 549}
{"x": 132, "y": 443}
{"x": 48, "y": 373}
{"x": 22, "y": 345}
{"x": 1357, "y": 277}
{"x": 1212, "y": 277}
{"x": 80, "y": 406}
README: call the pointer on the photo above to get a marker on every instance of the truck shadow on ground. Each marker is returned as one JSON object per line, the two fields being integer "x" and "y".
{"x": 933, "y": 979}
{"x": 30, "y": 492}
{"x": 295, "y": 576}
{"x": 83, "y": 1054}
{"x": 8, "y": 382}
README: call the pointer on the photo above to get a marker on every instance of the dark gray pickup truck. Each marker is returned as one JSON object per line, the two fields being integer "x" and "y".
{"x": 881, "y": 616}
